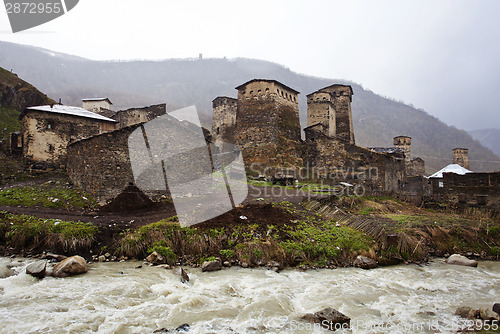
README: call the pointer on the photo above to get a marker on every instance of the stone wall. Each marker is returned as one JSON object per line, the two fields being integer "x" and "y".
{"x": 158, "y": 151}
{"x": 461, "y": 157}
{"x": 46, "y": 135}
{"x": 95, "y": 105}
{"x": 376, "y": 172}
{"x": 101, "y": 165}
{"x": 139, "y": 115}
{"x": 473, "y": 189}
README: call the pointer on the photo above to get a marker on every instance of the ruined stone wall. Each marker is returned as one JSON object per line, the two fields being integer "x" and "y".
{"x": 342, "y": 98}
{"x": 139, "y": 115}
{"x": 320, "y": 109}
{"x": 103, "y": 165}
{"x": 376, "y": 172}
{"x": 472, "y": 189}
{"x": 224, "y": 120}
{"x": 46, "y": 135}
{"x": 416, "y": 167}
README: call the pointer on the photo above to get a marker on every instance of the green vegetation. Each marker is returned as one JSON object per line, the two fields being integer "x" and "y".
{"x": 23, "y": 232}
{"x": 49, "y": 195}
{"x": 321, "y": 241}
{"x": 228, "y": 253}
{"x": 161, "y": 248}
{"x": 9, "y": 121}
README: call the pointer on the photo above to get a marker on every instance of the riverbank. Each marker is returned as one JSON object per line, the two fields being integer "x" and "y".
{"x": 321, "y": 233}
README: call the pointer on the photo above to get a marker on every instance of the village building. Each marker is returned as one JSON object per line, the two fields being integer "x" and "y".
{"x": 47, "y": 130}
{"x": 97, "y": 104}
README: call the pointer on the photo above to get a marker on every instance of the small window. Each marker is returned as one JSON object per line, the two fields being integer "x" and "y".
{"x": 217, "y": 130}
{"x": 441, "y": 184}
{"x": 259, "y": 92}
{"x": 51, "y": 148}
{"x": 251, "y": 92}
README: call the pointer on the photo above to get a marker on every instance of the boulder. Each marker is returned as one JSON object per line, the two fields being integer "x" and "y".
{"x": 5, "y": 272}
{"x": 329, "y": 318}
{"x": 466, "y": 312}
{"x": 37, "y": 269}
{"x": 276, "y": 266}
{"x": 156, "y": 258}
{"x": 488, "y": 315}
{"x": 211, "y": 266}
{"x": 101, "y": 258}
{"x": 496, "y": 308}
{"x": 364, "y": 262}
{"x": 461, "y": 261}
{"x": 56, "y": 257}
{"x": 74, "y": 265}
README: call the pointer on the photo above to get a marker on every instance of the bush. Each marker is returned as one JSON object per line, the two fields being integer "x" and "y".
{"x": 161, "y": 248}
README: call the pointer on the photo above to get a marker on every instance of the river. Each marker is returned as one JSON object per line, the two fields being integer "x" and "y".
{"x": 120, "y": 298}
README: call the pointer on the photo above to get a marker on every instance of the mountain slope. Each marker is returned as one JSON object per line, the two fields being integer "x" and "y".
{"x": 489, "y": 138}
{"x": 183, "y": 82}
{"x": 15, "y": 95}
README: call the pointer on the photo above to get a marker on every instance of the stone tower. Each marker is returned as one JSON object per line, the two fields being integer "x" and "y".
{"x": 320, "y": 110}
{"x": 224, "y": 119}
{"x": 266, "y": 110}
{"x": 341, "y": 96}
{"x": 267, "y": 123}
{"x": 461, "y": 157}
{"x": 404, "y": 143}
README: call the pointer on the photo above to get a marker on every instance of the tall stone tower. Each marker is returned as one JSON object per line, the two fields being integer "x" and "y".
{"x": 267, "y": 122}
{"x": 461, "y": 157}
{"x": 341, "y": 96}
{"x": 404, "y": 143}
{"x": 320, "y": 110}
{"x": 224, "y": 119}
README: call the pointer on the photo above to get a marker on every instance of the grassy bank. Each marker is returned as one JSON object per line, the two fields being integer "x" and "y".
{"x": 281, "y": 232}
{"x": 30, "y": 234}
{"x": 52, "y": 194}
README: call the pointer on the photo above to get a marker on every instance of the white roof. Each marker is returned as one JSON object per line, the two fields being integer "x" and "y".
{"x": 98, "y": 99}
{"x": 453, "y": 168}
{"x": 68, "y": 110}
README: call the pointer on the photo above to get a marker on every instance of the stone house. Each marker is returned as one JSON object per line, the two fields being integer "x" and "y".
{"x": 47, "y": 130}
{"x": 97, "y": 104}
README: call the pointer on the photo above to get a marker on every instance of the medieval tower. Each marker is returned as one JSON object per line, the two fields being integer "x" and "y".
{"x": 224, "y": 120}
{"x": 331, "y": 107}
{"x": 461, "y": 157}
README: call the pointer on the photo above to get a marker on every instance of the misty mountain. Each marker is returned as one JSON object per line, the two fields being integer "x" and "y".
{"x": 489, "y": 138}
{"x": 184, "y": 82}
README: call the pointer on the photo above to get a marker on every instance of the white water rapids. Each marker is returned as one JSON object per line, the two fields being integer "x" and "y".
{"x": 118, "y": 298}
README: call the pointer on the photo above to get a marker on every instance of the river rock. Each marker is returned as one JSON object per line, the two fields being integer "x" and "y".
{"x": 461, "y": 261}
{"x": 37, "y": 269}
{"x": 488, "y": 315}
{"x": 184, "y": 276}
{"x": 101, "y": 258}
{"x": 56, "y": 257}
{"x": 74, "y": 265}
{"x": 156, "y": 258}
{"x": 274, "y": 265}
{"x": 211, "y": 265}
{"x": 365, "y": 262}
{"x": 467, "y": 312}
{"x": 6, "y": 272}
{"x": 329, "y": 318}
{"x": 496, "y": 308}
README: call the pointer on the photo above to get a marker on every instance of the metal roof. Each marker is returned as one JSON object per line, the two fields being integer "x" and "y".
{"x": 389, "y": 150}
{"x": 97, "y": 99}
{"x": 453, "y": 168}
{"x": 74, "y": 111}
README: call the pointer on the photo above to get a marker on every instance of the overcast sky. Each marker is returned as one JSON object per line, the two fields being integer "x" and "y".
{"x": 439, "y": 55}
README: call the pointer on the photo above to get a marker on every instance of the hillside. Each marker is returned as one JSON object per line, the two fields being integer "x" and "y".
{"x": 489, "y": 138}
{"x": 183, "y": 82}
{"x": 15, "y": 95}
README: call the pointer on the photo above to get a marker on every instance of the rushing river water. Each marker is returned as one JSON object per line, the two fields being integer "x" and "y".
{"x": 119, "y": 298}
